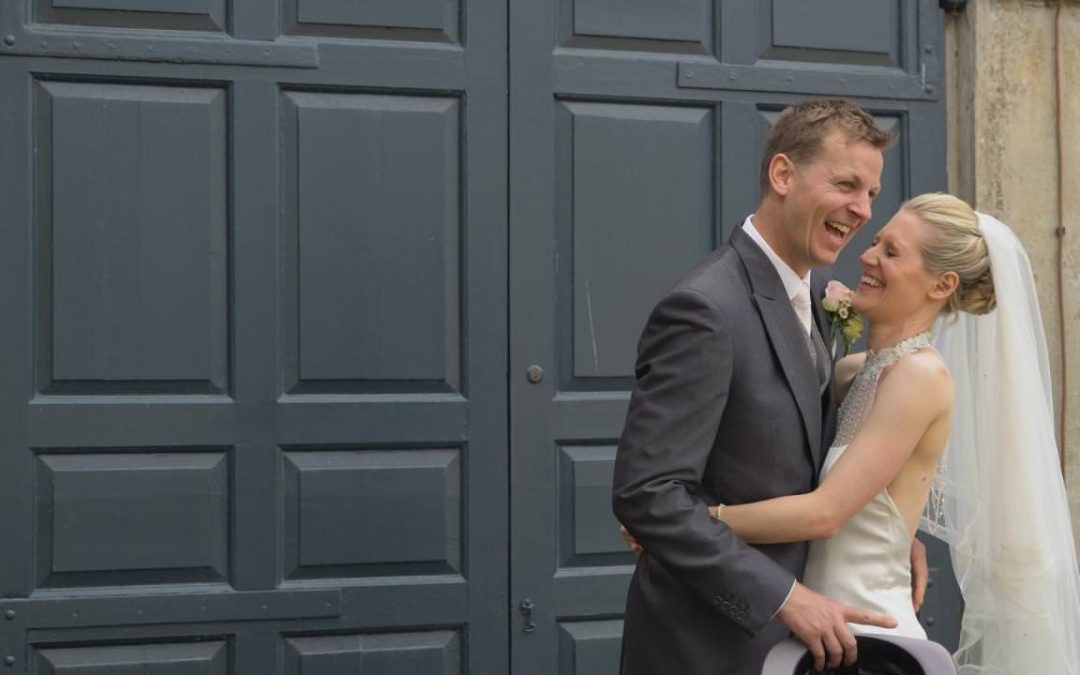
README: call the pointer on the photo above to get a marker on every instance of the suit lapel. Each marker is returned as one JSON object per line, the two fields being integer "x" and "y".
{"x": 785, "y": 336}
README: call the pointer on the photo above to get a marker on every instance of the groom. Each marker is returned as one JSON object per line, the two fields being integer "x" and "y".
{"x": 733, "y": 404}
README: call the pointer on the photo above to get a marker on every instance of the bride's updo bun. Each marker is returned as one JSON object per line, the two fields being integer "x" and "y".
{"x": 977, "y": 297}
{"x": 956, "y": 245}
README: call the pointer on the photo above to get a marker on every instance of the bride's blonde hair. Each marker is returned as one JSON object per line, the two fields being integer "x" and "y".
{"x": 956, "y": 245}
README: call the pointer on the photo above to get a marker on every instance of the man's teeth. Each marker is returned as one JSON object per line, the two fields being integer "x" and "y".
{"x": 844, "y": 229}
{"x": 871, "y": 281}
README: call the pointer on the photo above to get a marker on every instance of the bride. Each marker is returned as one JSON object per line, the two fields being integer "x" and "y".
{"x": 996, "y": 495}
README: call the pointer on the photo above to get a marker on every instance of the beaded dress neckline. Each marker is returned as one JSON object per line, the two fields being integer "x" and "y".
{"x": 860, "y": 395}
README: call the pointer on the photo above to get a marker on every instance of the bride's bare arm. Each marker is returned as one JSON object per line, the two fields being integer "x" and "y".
{"x": 915, "y": 394}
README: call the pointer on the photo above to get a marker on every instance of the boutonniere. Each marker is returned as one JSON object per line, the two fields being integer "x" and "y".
{"x": 844, "y": 321}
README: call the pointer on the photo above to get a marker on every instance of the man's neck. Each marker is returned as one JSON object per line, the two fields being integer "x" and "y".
{"x": 769, "y": 226}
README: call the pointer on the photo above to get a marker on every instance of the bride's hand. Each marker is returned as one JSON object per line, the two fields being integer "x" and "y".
{"x": 920, "y": 574}
{"x": 630, "y": 540}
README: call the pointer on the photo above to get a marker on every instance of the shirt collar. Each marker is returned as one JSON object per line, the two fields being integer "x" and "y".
{"x": 792, "y": 282}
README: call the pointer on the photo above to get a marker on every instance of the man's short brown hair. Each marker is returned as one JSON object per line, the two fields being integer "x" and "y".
{"x": 800, "y": 129}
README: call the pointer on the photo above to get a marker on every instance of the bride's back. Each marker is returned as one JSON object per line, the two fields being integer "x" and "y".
{"x": 910, "y": 489}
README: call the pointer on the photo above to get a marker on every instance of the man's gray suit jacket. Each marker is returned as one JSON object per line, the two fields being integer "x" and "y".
{"x": 727, "y": 409}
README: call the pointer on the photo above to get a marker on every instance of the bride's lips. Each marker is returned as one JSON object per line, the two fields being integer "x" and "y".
{"x": 870, "y": 281}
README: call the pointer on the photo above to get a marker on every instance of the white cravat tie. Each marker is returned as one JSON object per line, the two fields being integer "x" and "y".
{"x": 801, "y": 302}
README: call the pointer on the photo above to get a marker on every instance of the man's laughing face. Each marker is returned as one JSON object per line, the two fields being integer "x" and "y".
{"x": 827, "y": 200}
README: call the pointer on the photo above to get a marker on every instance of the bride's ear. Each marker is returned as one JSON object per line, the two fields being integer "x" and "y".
{"x": 945, "y": 285}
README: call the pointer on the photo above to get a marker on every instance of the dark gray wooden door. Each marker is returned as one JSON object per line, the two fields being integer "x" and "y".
{"x": 257, "y": 306}
{"x": 253, "y": 365}
{"x": 635, "y": 133}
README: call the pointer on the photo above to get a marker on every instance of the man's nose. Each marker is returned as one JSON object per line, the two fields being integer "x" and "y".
{"x": 861, "y": 208}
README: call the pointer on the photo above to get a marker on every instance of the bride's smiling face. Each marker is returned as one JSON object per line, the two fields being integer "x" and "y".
{"x": 894, "y": 281}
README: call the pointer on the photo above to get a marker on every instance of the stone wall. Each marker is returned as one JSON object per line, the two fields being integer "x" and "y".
{"x": 1003, "y": 130}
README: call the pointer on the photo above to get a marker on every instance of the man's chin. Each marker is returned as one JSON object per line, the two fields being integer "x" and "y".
{"x": 826, "y": 254}
{"x": 826, "y": 259}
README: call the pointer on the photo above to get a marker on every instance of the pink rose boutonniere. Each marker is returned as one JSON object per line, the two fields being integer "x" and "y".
{"x": 844, "y": 321}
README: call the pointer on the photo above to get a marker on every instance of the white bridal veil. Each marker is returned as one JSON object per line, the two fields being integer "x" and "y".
{"x": 1000, "y": 501}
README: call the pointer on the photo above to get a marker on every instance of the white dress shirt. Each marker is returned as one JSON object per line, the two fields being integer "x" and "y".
{"x": 792, "y": 281}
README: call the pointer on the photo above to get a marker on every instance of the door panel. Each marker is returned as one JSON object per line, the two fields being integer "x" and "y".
{"x": 681, "y": 25}
{"x": 373, "y": 224}
{"x": 209, "y": 658}
{"x": 620, "y": 158}
{"x": 125, "y": 518}
{"x": 123, "y": 244}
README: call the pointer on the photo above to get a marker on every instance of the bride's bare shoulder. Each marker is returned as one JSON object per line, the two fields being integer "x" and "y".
{"x": 924, "y": 371}
{"x": 924, "y": 363}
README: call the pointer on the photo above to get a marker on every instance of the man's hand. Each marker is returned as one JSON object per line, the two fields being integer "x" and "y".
{"x": 821, "y": 624}
{"x": 630, "y": 540}
{"x": 920, "y": 573}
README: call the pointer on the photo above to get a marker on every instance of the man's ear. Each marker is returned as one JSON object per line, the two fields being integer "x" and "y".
{"x": 781, "y": 173}
{"x": 945, "y": 285}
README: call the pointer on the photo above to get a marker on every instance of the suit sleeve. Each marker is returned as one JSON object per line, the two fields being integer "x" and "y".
{"x": 684, "y": 372}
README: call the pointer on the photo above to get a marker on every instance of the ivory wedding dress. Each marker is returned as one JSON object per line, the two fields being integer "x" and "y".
{"x": 867, "y": 563}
